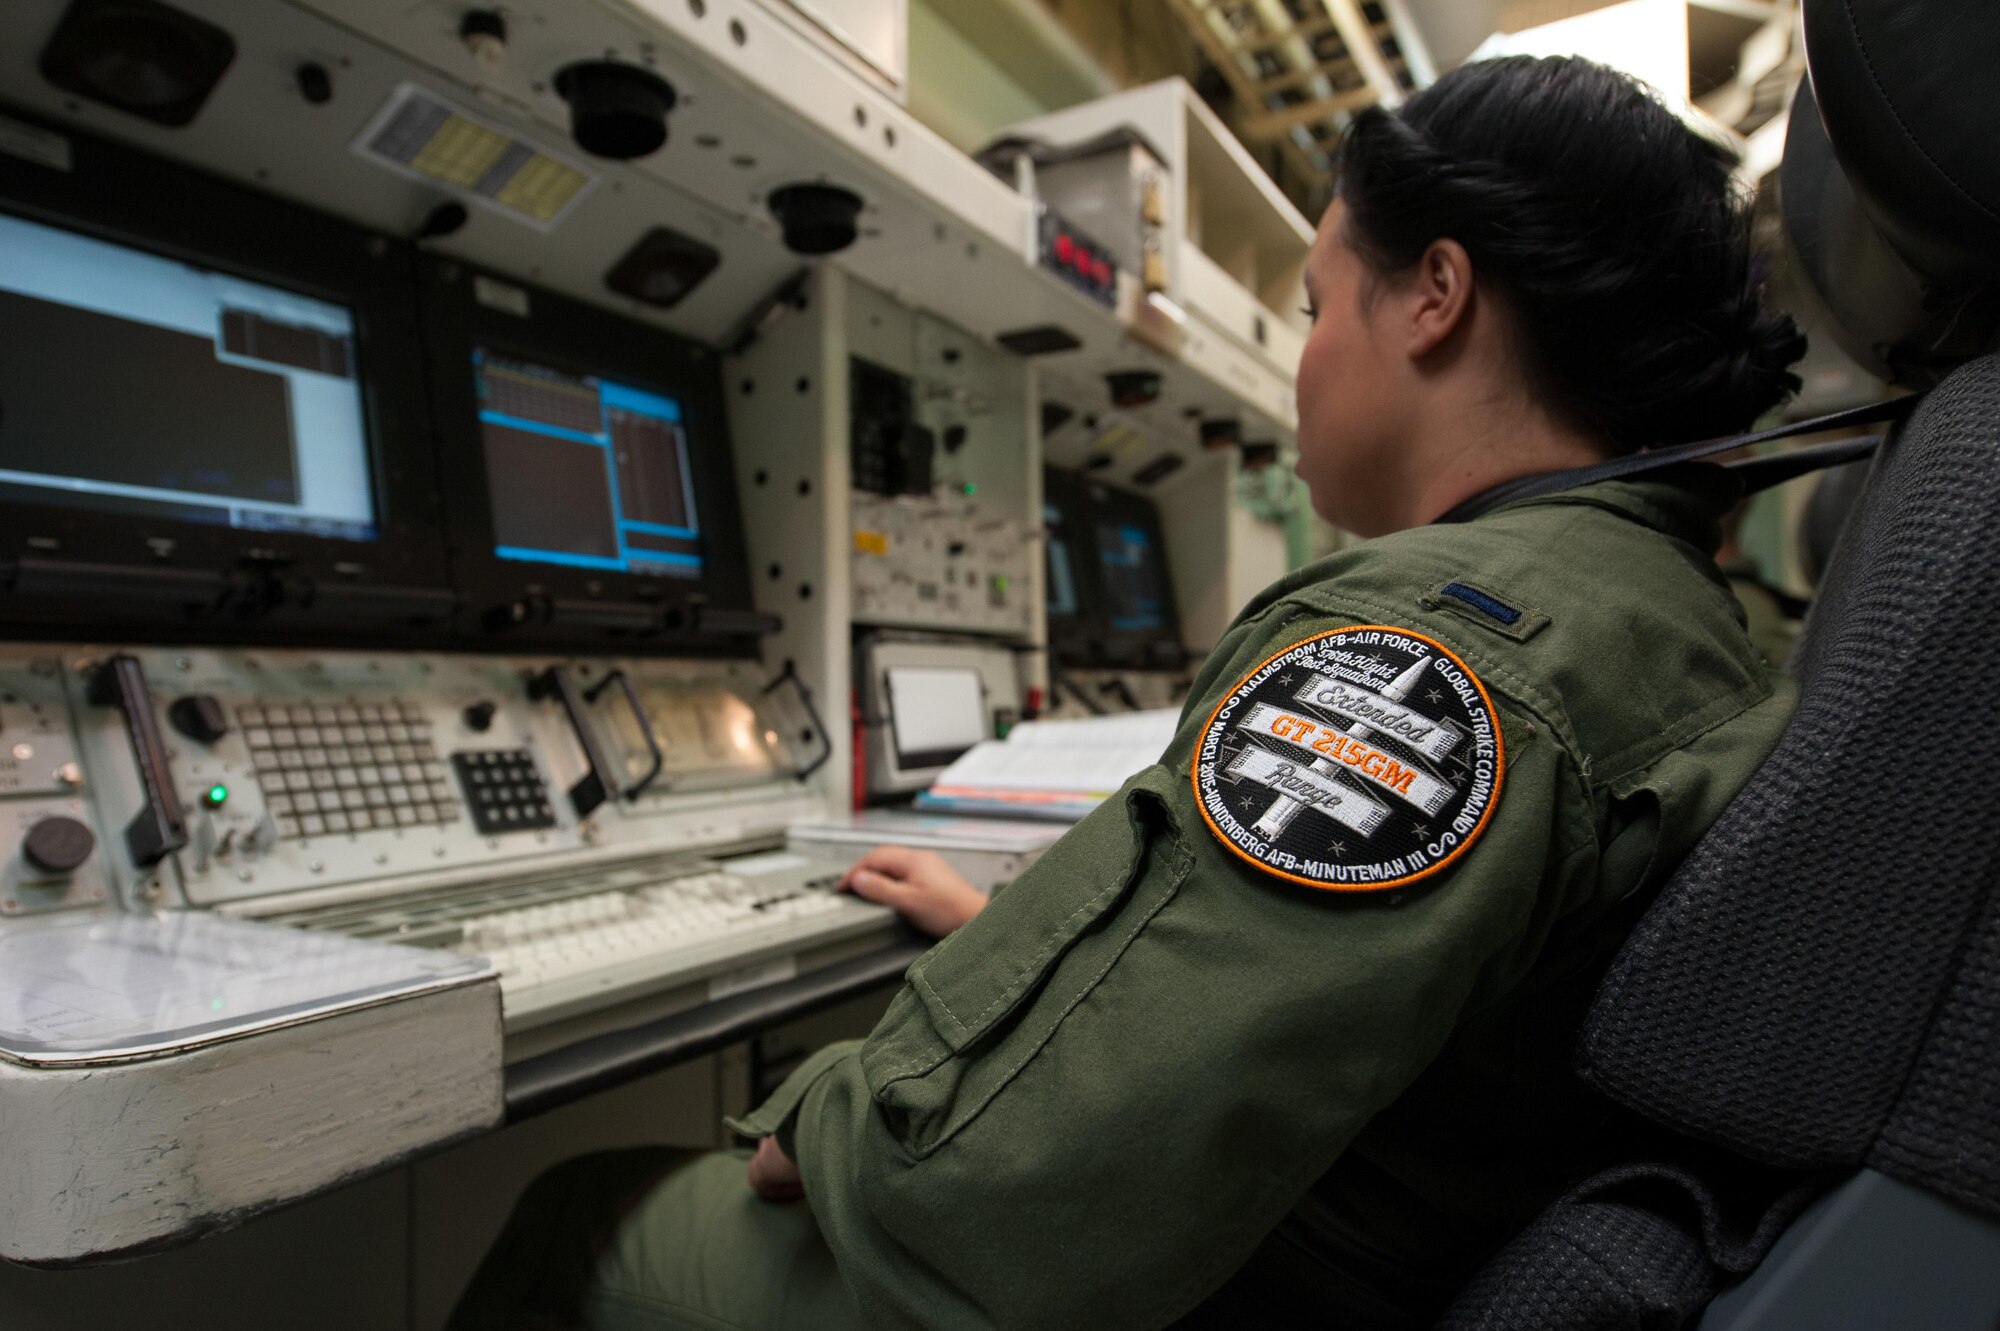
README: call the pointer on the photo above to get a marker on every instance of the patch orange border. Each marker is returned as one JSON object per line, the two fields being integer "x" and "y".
{"x": 1471, "y": 838}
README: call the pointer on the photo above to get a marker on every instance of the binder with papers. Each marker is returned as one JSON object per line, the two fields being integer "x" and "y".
{"x": 1054, "y": 770}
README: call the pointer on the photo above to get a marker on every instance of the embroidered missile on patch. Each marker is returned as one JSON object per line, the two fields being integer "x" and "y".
{"x": 1358, "y": 760}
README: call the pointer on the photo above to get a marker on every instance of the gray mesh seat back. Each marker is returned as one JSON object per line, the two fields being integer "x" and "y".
{"x": 1819, "y": 983}
{"x": 1818, "y": 987}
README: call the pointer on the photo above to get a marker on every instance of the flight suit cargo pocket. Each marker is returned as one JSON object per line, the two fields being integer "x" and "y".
{"x": 978, "y": 1007}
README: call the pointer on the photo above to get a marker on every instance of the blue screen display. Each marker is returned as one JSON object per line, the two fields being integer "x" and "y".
{"x": 585, "y": 472}
{"x": 1133, "y": 586}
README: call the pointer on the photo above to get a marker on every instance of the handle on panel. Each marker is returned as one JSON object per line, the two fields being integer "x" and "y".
{"x": 160, "y": 828}
{"x": 595, "y": 785}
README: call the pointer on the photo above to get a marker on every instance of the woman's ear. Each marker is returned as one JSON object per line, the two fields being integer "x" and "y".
{"x": 1439, "y": 295}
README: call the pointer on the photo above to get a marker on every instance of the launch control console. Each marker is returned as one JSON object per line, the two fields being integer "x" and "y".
{"x": 245, "y": 779}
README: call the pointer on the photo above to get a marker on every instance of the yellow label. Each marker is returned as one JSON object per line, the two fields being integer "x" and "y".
{"x": 871, "y": 542}
{"x": 542, "y": 187}
{"x": 461, "y": 152}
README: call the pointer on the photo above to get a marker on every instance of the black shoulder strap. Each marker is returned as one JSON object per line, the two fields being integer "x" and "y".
{"x": 1758, "y": 473}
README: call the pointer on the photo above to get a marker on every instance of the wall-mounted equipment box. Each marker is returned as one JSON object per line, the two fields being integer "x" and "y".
{"x": 1231, "y": 246}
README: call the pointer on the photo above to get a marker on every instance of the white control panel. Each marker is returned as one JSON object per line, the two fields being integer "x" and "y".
{"x": 48, "y": 831}
{"x": 940, "y": 564}
{"x": 268, "y": 781}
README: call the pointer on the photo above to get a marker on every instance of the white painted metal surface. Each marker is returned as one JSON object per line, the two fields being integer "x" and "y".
{"x": 91, "y": 990}
{"x": 190, "y": 1134}
{"x": 875, "y": 34}
{"x": 1221, "y": 556}
{"x": 787, "y": 398}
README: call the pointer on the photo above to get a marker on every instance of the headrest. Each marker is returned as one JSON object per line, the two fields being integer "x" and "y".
{"x": 1891, "y": 189}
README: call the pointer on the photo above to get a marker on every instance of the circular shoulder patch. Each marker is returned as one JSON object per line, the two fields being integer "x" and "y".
{"x": 1356, "y": 761}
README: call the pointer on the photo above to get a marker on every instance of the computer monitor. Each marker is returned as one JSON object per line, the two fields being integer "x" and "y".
{"x": 1110, "y": 595}
{"x": 1141, "y": 627}
{"x": 587, "y": 469}
{"x": 1070, "y": 582}
{"x": 1131, "y": 562}
{"x": 202, "y": 387}
{"x": 147, "y": 386}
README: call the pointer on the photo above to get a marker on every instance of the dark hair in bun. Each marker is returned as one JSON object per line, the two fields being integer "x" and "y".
{"x": 1614, "y": 233}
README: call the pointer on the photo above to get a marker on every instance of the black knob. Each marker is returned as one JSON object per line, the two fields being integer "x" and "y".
{"x": 616, "y": 111}
{"x": 315, "y": 84}
{"x": 816, "y": 218}
{"x": 57, "y": 845}
{"x": 200, "y": 717}
{"x": 479, "y": 716}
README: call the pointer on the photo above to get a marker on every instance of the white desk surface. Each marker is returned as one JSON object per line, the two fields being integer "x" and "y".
{"x": 106, "y": 988}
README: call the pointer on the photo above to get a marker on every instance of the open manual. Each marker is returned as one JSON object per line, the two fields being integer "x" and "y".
{"x": 1056, "y": 770}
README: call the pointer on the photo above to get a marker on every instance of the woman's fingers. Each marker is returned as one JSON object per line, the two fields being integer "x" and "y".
{"x": 894, "y": 861}
{"x": 877, "y": 887}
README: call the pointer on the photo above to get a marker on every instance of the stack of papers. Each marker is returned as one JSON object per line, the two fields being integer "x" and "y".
{"x": 1055, "y": 770}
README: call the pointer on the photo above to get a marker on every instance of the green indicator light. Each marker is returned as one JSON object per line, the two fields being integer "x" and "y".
{"x": 1000, "y": 582}
{"x": 215, "y": 795}
{"x": 215, "y": 1005}
{"x": 970, "y": 488}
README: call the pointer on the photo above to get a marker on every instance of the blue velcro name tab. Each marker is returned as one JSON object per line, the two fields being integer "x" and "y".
{"x": 1481, "y": 602}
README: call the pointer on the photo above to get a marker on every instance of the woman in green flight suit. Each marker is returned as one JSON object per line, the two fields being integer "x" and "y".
{"x": 1280, "y": 1034}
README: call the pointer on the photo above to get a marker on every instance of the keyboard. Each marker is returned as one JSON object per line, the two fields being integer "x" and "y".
{"x": 570, "y": 955}
{"x": 570, "y": 944}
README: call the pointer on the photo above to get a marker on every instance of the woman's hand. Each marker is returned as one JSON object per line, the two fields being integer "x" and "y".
{"x": 916, "y": 884}
{"x": 773, "y": 1176}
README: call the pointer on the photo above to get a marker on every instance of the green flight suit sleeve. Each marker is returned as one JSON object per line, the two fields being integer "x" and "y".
{"x": 1089, "y": 1105}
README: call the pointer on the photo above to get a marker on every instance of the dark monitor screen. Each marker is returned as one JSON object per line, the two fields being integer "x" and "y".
{"x": 1070, "y": 584}
{"x": 585, "y": 472}
{"x": 586, "y": 469}
{"x": 1110, "y": 597}
{"x": 1134, "y": 581}
{"x": 1063, "y": 601}
{"x": 137, "y": 385}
